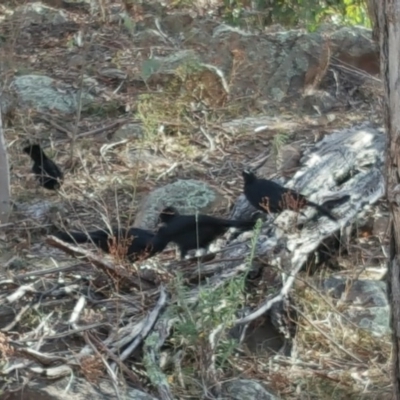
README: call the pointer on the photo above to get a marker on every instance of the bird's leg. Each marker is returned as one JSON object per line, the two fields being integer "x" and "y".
{"x": 184, "y": 252}
{"x": 265, "y": 205}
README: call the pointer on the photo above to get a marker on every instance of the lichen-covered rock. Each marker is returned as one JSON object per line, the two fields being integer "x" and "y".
{"x": 42, "y": 93}
{"x": 78, "y": 389}
{"x": 129, "y": 131}
{"x": 367, "y": 302}
{"x": 38, "y": 13}
{"x": 188, "y": 196}
{"x": 246, "y": 389}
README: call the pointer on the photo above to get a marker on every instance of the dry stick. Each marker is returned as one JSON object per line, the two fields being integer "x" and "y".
{"x": 327, "y": 302}
{"x": 213, "y": 339}
{"x": 111, "y": 373}
{"x": 76, "y": 312}
{"x": 272, "y": 299}
{"x": 121, "y": 365}
{"x": 16, "y": 319}
{"x": 64, "y": 334}
{"x": 57, "y": 372}
{"x": 35, "y": 332}
{"x": 79, "y": 101}
{"x": 5, "y": 196}
{"x": 151, "y": 320}
{"x": 108, "y": 268}
{"x": 20, "y": 292}
{"x": 115, "y": 124}
{"x": 124, "y": 336}
{"x": 50, "y": 271}
{"x": 57, "y": 126}
{"x": 151, "y": 350}
{"x": 327, "y": 336}
{"x": 42, "y": 358}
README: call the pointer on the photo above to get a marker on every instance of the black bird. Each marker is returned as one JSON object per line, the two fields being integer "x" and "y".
{"x": 134, "y": 241}
{"x": 47, "y": 172}
{"x": 270, "y": 197}
{"x": 191, "y": 231}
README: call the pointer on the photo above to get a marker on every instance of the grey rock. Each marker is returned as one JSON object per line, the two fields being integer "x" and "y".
{"x": 145, "y": 158}
{"x": 39, "y": 13}
{"x": 380, "y": 225}
{"x": 368, "y": 293}
{"x": 157, "y": 69}
{"x": 355, "y": 47}
{"x": 367, "y": 302}
{"x": 37, "y": 211}
{"x": 246, "y": 389}
{"x": 318, "y": 102}
{"x": 285, "y": 162}
{"x": 282, "y": 64}
{"x": 373, "y": 319}
{"x": 41, "y": 92}
{"x": 78, "y": 389}
{"x": 8, "y": 104}
{"x": 188, "y": 196}
{"x": 129, "y": 131}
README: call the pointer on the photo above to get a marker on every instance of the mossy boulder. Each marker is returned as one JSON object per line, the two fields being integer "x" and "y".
{"x": 188, "y": 196}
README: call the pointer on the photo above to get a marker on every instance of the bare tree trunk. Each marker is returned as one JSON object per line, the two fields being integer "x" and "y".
{"x": 4, "y": 178}
{"x": 389, "y": 23}
{"x": 373, "y": 13}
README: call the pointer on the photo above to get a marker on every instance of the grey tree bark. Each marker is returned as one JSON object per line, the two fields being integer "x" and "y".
{"x": 373, "y": 13}
{"x": 5, "y": 206}
{"x": 389, "y": 25}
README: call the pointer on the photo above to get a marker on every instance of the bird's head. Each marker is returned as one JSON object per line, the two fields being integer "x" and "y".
{"x": 31, "y": 149}
{"x": 167, "y": 214}
{"x": 248, "y": 176}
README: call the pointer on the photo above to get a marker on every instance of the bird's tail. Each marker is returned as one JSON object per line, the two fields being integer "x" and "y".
{"x": 72, "y": 237}
{"x": 322, "y": 210}
{"x": 96, "y": 237}
{"x": 233, "y": 223}
{"x": 336, "y": 202}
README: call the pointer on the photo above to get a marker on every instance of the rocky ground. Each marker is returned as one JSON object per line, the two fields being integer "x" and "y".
{"x": 147, "y": 105}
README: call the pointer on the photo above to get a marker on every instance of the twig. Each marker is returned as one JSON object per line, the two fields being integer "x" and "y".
{"x": 16, "y": 319}
{"x": 20, "y": 292}
{"x": 124, "y": 336}
{"x": 115, "y": 124}
{"x": 116, "y": 271}
{"x": 53, "y": 373}
{"x": 111, "y": 373}
{"x": 151, "y": 350}
{"x": 209, "y": 138}
{"x": 79, "y": 104}
{"x": 57, "y": 126}
{"x": 51, "y": 271}
{"x": 5, "y": 203}
{"x": 42, "y": 358}
{"x": 64, "y": 334}
{"x": 80, "y": 305}
{"x": 170, "y": 169}
{"x": 213, "y": 339}
{"x": 327, "y": 336}
{"x": 121, "y": 365}
{"x": 151, "y": 320}
{"x": 40, "y": 326}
